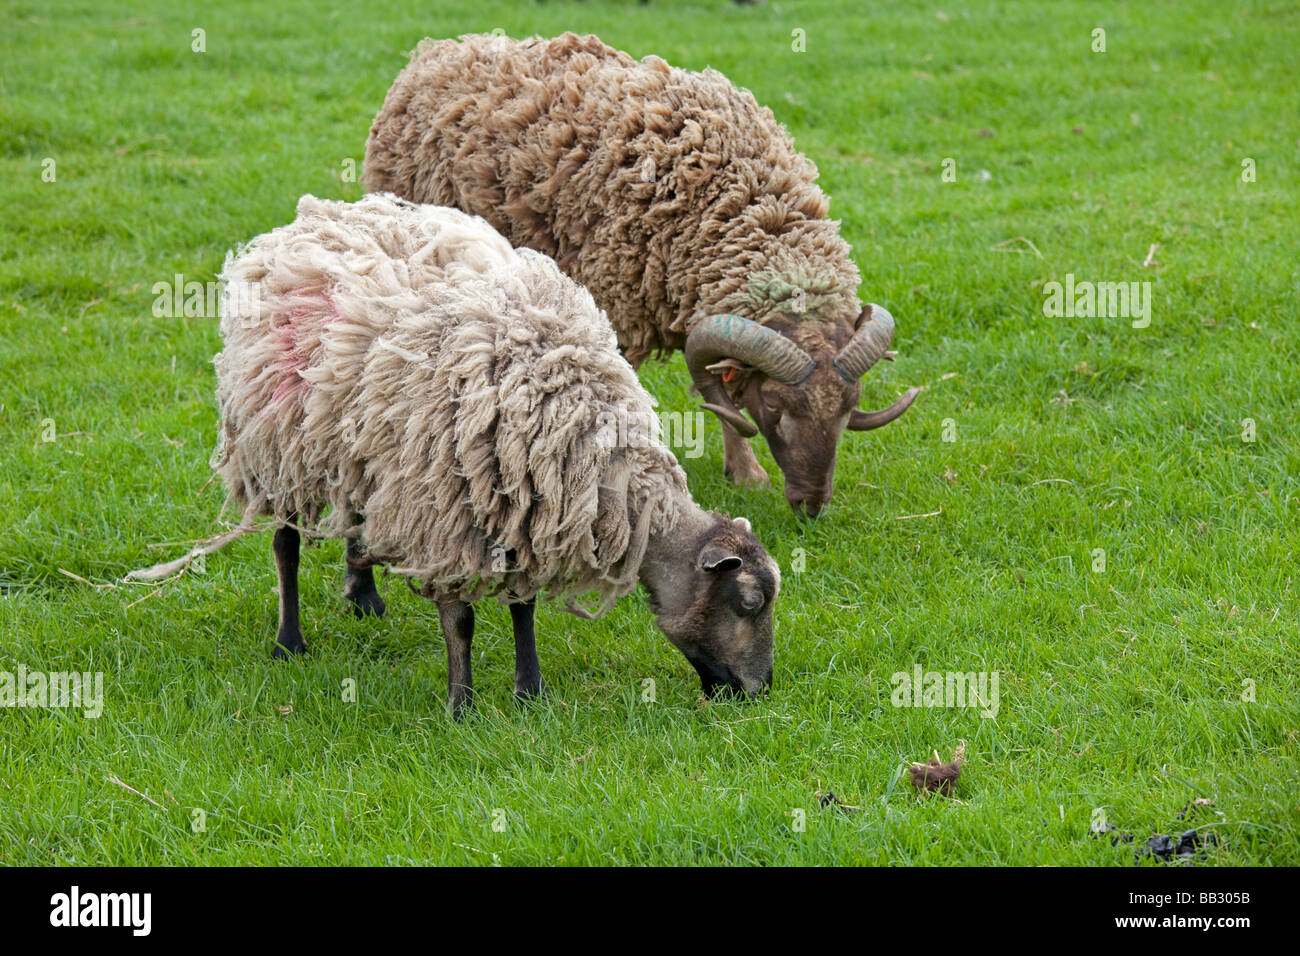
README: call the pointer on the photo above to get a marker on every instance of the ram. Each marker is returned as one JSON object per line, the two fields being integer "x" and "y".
{"x": 399, "y": 376}
{"x": 679, "y": 202}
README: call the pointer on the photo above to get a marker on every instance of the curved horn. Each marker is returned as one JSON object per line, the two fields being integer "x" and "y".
{"x": 731, "y": 336}
{"x": 861, "y": 421}
{"x": 867, "y": 347}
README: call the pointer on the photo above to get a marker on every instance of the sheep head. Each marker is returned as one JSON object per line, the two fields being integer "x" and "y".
{"x": 800, "y": 381}
{"x": 712, "y": 589}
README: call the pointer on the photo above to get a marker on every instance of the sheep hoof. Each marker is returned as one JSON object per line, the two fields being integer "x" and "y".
{"x": 531, "y": 694}
{"x": 368, "y": 602}
{"x": 288, "y": 646}
{"x": 748, "y": 479}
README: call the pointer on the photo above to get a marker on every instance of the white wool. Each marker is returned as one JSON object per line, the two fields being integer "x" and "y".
{"x": 404, "y": 363}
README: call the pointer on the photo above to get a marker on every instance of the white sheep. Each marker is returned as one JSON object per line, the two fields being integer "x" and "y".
{"x": 398, "y": 373}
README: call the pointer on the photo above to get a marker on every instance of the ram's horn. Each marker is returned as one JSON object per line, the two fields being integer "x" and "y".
{"x": 734, "y": 337}
{"x": 868, "y": 346}
{"x": 861, "y": 421}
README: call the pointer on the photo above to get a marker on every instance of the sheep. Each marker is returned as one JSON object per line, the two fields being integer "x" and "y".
{"x": 401, "y": 377}
{"x": 679, "y": 202}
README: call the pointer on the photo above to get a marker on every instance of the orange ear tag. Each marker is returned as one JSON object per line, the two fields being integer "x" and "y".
{"x": 728, "y": 374}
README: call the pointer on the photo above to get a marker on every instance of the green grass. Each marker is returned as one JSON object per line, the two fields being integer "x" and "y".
{"x": 1120, "y": 690}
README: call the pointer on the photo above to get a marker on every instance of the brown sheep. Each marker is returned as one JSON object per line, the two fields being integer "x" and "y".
{"x": 679, "y": 202}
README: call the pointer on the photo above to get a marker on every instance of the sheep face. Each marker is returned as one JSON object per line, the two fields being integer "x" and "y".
{"x": 799, "y": 377}
{"x": 803, "y": 424}
{"x": 713, "y": 599}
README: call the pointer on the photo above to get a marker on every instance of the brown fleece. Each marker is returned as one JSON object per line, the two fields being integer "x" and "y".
{"x": 936, "y": 775}
{"x": 670, "y": 195}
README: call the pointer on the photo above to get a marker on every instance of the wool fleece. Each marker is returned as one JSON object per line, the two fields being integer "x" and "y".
{"x": 398, "y": 371}
{"x": 671, "y": 195}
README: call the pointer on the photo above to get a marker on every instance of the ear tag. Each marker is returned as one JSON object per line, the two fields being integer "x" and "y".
{"x": 728, "y": 374}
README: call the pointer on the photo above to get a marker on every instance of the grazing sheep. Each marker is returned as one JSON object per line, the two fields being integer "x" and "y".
{"x": 401, "y": 373}
{"x": 683, "y": 207}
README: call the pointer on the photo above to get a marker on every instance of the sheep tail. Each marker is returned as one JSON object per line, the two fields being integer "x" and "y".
{"x": 207, "y": 546}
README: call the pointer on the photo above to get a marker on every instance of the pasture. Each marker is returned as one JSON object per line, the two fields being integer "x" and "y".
{"x": 1099, "y": 509}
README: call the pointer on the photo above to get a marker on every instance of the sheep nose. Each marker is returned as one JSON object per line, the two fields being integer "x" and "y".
{"x": 806, "y": 505}
{"x": 809, "y": 497}
{"x": 755, "y": 688}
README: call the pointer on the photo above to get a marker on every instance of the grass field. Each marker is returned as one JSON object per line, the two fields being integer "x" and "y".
{"x": 1169, "y": 675}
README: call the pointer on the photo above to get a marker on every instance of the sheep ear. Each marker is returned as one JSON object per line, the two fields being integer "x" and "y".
{"x": 743, "y": 523}
{"x": 715, "y": 559}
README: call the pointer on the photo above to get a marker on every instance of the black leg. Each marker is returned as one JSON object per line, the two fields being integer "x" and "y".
{"x": 288, "y": 639}
{"x": 359, "y": 582}
{"x": 528, "y": 672}
{"x": 458, "y": 630}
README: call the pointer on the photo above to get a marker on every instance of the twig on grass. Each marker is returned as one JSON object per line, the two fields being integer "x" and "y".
{"x": 112, "y": 779}
{"x": 1005, "y": 246}
{"x": 78, "y": 577}
{"x": 155, "y": 591}
{"x": 205, "y": 485}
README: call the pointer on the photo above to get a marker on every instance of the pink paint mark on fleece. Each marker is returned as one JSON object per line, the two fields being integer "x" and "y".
{"x": 296, "y": 332}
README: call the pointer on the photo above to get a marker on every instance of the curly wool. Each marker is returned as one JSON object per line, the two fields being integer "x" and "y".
{"x": 670, "y": 195}
{"x": 404, "y": 363}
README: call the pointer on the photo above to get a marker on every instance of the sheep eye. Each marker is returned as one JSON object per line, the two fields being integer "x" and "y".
{"x": 747, "y": 604}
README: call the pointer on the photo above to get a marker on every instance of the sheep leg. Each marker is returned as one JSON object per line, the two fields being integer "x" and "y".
{"x": 359, "y": 582}
{"x": 457, "y": 619}
{"x": 528, "y": 671}
{"x": 738, "y": 460}
{"x": 288, "y": 640}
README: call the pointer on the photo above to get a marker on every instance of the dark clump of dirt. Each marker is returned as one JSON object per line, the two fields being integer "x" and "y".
{"x": 1186, "y": 848}
{"x": 1192, "y": 844}
{"x": 1159, "y": 846}
{"x": 1190, "y": 847}
{"x": 828, "y": 801}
